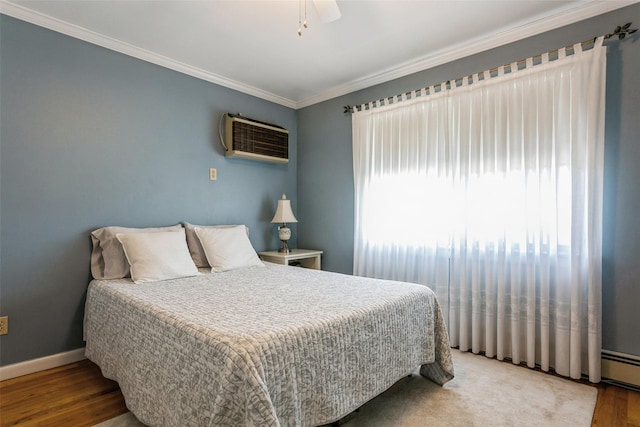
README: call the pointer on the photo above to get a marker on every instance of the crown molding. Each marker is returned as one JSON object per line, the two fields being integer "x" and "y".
{"x": 578, "y": 12}
{"x": 566, "y": 17}
{"x": 19, "y": 12}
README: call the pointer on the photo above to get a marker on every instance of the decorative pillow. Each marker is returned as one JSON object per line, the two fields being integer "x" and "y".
{"x": 195, "y": 247}
{"x": 107, "y": 258}
{"x": 157, "y": 256}
{"x": 227, "y": 248}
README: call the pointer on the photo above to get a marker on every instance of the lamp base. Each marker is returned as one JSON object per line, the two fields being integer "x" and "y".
{"x": 284, "y": 233}
{"x": 285, "y": 247}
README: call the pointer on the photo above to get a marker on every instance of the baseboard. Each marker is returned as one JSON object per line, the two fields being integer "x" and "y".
{"x": 40, "y": 364}
{"x": 621, "y": 369}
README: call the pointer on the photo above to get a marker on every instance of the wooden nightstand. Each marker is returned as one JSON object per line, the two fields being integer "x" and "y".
{"x": 306, "y": 257}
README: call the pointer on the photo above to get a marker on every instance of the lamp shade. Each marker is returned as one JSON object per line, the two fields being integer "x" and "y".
{"x": 284, "y": 213}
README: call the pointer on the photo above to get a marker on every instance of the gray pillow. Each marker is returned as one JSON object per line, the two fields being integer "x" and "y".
{"x": 195, "y": 247}
{"x": 108, "y": 260}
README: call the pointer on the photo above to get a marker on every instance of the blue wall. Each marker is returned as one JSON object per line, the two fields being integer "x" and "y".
{"x": 325, "y": 172}
{"x": 91, "y": 138}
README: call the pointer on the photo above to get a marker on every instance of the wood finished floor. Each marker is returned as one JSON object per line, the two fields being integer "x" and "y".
{"x": 78, "y": 395}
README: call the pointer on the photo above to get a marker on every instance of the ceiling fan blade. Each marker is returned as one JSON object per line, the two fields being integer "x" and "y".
{"x": 327, "y": 10}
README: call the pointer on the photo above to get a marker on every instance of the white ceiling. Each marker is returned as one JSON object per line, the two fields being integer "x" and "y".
{"x": 253, "y": 46}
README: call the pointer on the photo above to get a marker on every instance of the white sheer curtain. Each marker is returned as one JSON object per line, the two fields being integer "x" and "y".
{"x": 491, "y": 194}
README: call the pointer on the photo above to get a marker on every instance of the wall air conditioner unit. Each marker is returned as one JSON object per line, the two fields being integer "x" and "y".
{"x": 255, "y": 140}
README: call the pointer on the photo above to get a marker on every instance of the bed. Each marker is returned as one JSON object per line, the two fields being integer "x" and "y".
{"x": 264, "y": 345}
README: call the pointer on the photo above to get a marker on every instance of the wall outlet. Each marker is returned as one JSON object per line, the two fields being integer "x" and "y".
{"x": 4, "y": 325}
{"x": 213, "y": 174}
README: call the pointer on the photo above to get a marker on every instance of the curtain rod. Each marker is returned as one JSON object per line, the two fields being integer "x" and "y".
{"x": 620, "y": 31}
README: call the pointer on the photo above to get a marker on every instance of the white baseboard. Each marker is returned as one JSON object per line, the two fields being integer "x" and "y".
{"x": 41, "y": 364}
{"x": 621, "y": 367}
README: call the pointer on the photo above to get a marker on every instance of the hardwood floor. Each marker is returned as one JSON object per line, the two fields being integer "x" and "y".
{"x": 78, "y": 395}
{"x": 616, "y": 406}
{"x": 72, "y": 395}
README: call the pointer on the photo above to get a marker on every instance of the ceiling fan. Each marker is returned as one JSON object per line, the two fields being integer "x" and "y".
{"x": 328, "y": 11}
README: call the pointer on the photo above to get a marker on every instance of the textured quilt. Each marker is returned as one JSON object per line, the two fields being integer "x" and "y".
{"x": 263, "y": 346}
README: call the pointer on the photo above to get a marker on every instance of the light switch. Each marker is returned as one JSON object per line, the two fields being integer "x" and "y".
{"x": 213, "y": 174}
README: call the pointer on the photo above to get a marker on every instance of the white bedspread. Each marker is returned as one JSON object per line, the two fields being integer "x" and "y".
{"x": 261, "y": 346}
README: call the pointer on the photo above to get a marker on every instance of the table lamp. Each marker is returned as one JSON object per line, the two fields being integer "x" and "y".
{"x": 284, "y": 215}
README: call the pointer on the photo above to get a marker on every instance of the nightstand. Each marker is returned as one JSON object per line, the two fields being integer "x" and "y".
{"x": 306, "y": 257}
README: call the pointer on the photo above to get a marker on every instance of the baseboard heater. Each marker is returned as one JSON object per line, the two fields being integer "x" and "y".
{"x": 621, "y": 369}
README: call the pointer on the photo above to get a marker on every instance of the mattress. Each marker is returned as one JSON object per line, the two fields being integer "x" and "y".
{"x": 261, "y": 346}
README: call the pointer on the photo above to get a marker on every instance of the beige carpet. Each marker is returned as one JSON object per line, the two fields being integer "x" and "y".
{"x": 485, "y": 392}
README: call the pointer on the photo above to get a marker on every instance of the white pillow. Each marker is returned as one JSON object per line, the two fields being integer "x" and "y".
{"x": 157, "y": 256}
{"x": 195, "y": 248}
{"x": 228, "y": 248}
{"x": 107, "y": 258}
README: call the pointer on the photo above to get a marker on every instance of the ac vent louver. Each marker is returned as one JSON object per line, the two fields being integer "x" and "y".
{"x": 255, "y": 140}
